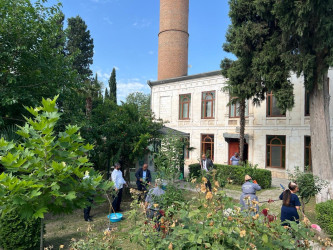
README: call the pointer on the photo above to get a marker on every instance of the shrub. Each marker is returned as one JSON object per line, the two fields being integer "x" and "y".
{"x": 309, "y": 185}
{"x": 18, "y": 233}
{"x": 210, "y": 220}
{"x": 325, "y": 216}
{"x": 237, "y": 173}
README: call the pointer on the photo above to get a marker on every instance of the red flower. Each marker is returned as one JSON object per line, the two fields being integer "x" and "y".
{"x": 264, "y": 212}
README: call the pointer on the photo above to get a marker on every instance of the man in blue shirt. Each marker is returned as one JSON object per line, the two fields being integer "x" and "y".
{"x": 143, "y": 177}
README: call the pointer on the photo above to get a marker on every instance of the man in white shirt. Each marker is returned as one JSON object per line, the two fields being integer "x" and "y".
{"x": 118, "y": 180}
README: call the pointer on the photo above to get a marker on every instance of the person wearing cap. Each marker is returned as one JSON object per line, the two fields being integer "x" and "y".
{"x": 152, "y": 200}
{"x": 249, "y": 189}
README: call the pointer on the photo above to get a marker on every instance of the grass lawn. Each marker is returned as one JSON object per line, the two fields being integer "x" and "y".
{"x": 61, "y": 229}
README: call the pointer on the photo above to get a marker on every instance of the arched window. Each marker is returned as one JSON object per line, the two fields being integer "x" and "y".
{"x": 208, "y": 105}
{"x": 276, "y": 151}
{"x": 184, "y": 106}
{"x": 207, "y": 146}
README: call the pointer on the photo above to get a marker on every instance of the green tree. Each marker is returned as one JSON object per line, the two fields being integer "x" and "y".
{"x": 246, "y": 37}
{"x": 121, "y": 133}
{"x": 113, "y": 85}
{"x": 32, "y": 62}
{"x": 141, "y": 100}
{"x": 106, "y": 94}
{"x": 305, "y": 45}
{"x": 45, "y": 172}
{"x": 80, "y": 45}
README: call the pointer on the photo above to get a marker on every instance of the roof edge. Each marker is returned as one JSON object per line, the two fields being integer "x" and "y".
{"x": 183, "y": 78}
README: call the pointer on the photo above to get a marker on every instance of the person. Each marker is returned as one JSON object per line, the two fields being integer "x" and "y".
{"x": 206, "y": 166}
{"x": 86, "y": 210}
{"x": 119, "y": 182}
{"x": 290, "y": 204}
{"x": 143, "y": 177}
{"x": 152, "y": 198}
{"x": 234, "y": 160}
{"x": 249, "y": 189}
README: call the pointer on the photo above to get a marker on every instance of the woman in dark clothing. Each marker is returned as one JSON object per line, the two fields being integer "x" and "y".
{"x": 290, "y": 204}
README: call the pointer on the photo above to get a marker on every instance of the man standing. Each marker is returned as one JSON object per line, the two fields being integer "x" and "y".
{"x": 234, "y": 160}
{"x": 143, "y": 177}
{"x": 86, "y": 210}
{"x": 118, "y": 180}
{"x": 206, "y": 165}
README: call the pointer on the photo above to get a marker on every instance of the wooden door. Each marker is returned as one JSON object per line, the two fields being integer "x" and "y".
{"x": 233, "y": 148}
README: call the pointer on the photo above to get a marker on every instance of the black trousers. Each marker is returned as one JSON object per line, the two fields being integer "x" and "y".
{"x": 208, "y": 185}
{"x": 117, "y": 200}
{"x": 86, "y": 211}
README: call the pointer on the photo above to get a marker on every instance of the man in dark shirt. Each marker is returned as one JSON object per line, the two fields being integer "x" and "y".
{"x": 206, "y": 165}
{"x": 143, "y": 177}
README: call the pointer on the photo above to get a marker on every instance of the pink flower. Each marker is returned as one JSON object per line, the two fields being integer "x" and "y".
{"x": 316, "y": 227}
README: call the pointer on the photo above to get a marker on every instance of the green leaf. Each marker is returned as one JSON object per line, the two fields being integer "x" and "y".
{"x": 40, "y": 212}
{"x": 265, "y": 238}
{"x": 71, "y": 195}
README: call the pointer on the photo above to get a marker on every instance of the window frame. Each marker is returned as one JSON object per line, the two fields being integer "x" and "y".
{"x": 235, "y": 109}
{"x": 270, "y": 95}
{"x": 203, "y": 136}
{"x": 306, "y": 146}
{"x": 282, "y": 146}
{"x": 181, "y": 110}
{"x": 204, "y": 105}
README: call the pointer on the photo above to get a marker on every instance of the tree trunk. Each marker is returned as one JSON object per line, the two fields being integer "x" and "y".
{"x": 321, "y": 138}
{"x": 88, "y": 106}
{"x": 242, "y": 129}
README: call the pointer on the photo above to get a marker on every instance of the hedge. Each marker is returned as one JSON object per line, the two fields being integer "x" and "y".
{"x": 324, "y": 213}
{"x": 237, "y": 173}
{"x": 19, "y": 233}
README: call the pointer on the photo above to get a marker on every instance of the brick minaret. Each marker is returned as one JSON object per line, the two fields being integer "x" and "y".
{"x": 173, "y": 39}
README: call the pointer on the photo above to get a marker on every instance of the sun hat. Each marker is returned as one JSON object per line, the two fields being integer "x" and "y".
{"x": 247, "y": 177}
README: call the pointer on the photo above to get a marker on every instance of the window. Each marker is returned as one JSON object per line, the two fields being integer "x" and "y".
{"x": 184, "y": 106}
{"x": 276, "y": 151}
{"x": 208, "y": 105}
{"x": 234, "y": 109}
{"x": 307, "y": 153}
{"x": 207, "y": 146}
{"x": 307, "y": 103}
{"x": 272, "y": 110}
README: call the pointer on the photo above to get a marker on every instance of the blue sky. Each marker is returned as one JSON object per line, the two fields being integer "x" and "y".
{"x": 125, "y": 34}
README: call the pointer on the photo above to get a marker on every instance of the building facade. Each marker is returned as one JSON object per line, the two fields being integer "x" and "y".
{"x": 196, "y": 105}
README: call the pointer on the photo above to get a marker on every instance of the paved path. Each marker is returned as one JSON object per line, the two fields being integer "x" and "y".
{"x": 264, "y": 195}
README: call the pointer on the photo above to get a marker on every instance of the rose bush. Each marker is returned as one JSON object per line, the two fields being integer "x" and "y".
{"x": 211, "y": 220}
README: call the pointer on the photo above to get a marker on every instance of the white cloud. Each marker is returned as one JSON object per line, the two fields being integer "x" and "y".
{"x": 124, "y": 86}
{"x": 124, "y": 89}
{"x": 143, "y": 23}
{"x": 106, "y": 19}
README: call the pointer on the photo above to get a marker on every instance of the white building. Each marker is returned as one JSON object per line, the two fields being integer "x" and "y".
{"x": 197, "y": 105}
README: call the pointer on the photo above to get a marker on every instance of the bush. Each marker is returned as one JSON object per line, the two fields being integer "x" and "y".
{"x": 18, "y": 233}
{"x": 237, "y": 173}
{"x": 324, "y": 212}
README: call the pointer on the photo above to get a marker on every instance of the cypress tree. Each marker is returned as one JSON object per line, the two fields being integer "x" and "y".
{"x": 113, "y": 86}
